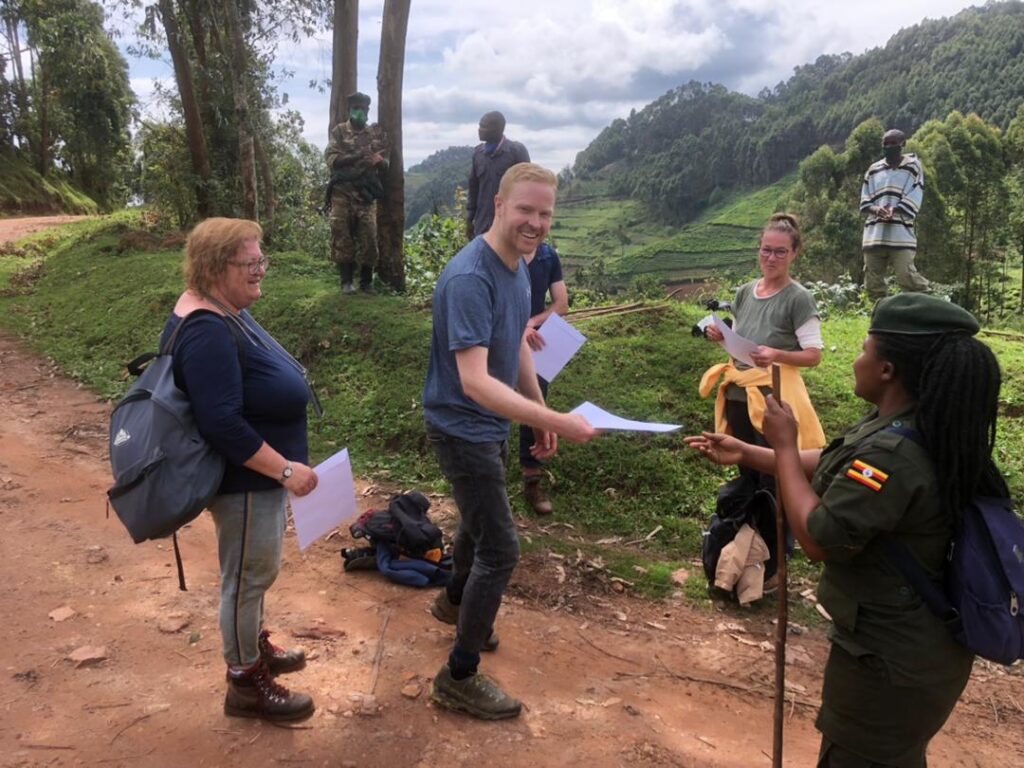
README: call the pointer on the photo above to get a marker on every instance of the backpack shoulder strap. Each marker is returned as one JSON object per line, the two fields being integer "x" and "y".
{"x": 902, "y": 559}
{"x": 168, "y": 347}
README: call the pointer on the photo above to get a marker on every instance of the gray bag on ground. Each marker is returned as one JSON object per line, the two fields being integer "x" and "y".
{"x": 165, "y": 473}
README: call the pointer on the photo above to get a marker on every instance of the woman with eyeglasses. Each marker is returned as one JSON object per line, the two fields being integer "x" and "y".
{"x": 249, "y": 399}
{"x": 781, "y": 317}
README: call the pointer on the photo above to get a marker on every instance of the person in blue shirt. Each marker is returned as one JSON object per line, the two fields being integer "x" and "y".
{"x": 249, "y": 400}
{"x": 478, "y": 359}
{"x": 545, "y": 277}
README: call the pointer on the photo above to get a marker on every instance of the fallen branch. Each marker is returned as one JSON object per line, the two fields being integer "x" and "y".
{"x": 596, "y": 647}
{"x": 126, "y": 758}
{"x": 136, "y": 721}
{"x": 46, "y": 746}
{"x": 91, "y": 707}
{"x": 653, "y": 308}
{"x": 648, "y": 537}
{"x": 592, "y": 311}
{"x": 379, "y": 656}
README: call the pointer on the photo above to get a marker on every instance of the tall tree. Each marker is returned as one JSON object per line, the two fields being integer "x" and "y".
{"x": 80, "y": 105}
{"x": 189, "y": 106}
{"x": 239, "y": 65}
{"x": 391, "y": 209}
{"x": 344, "y": 65}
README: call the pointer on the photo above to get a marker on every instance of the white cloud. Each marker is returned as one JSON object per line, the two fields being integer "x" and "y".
{"x": 561, "y": 71}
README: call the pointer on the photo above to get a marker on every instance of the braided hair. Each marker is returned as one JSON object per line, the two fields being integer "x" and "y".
{"x": 955, "y": 380}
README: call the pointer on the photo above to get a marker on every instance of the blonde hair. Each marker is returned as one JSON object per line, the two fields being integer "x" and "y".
{"x": 522, "y": 172}
{"x": 786, "y": 223}
{"x": 211, "y": 246}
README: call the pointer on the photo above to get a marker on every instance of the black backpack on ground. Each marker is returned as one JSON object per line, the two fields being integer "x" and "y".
{"x": 742, "y": 500}
{"x": 405, "y": 526}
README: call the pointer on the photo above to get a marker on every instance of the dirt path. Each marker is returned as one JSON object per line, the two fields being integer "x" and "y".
{"x": 608, "y": 680}
{"x": 15, "y": 229}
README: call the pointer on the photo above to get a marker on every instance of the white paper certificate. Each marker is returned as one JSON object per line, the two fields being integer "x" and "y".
{"x": 330, "y": 504}
{"x": 737, "y": 346}
{"x": 561, "y": 343}
{"x": 601, "y": 419}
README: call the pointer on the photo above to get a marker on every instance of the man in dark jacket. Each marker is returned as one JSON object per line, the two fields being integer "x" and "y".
{"x": 490, "y": 161}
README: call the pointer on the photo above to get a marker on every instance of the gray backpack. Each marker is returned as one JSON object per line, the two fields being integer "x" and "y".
{"x": 165, "y": 473}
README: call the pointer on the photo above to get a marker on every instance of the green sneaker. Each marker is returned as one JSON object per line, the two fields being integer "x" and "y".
{"x": 477, "y": 695}
{"x": 447, "y": 612}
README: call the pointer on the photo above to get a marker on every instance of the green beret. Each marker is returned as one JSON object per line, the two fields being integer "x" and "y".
{"x": 358, "y": 99}
{"x": 920, "y": 314}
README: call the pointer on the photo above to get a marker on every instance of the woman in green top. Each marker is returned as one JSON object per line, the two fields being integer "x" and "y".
{"x": 894, "y": 672}
{"x": 780, "y": 315}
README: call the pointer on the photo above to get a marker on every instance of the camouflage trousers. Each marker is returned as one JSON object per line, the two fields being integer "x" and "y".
{"x": 353, "y": 232}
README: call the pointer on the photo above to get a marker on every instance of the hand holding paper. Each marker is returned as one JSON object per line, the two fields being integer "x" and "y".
{"x": 561, "y": 343}
{"x": 737, "y": 346}
{"x": 601, "y": 419}
{"x": 330, "y": 504}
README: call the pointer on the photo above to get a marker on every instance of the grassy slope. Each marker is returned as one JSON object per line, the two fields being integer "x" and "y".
{"x": 24, "y": 191}
{"x": 618, "y": 231}
{"x": 94, "y": 307}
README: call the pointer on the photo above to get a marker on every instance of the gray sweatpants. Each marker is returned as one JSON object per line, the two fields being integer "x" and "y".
{"x": 250, "y": 534}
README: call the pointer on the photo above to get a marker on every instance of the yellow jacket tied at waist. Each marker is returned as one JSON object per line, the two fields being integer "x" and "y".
{"x": 810, "y": 433}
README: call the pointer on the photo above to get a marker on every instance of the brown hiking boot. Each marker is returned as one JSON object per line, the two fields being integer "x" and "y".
{"x": 444, "y": 610}
{"x": 253, "y": 693}
{"x": 278, "y": 660}
{"x": 477, "y": 695}
{"x": 535, "y": 496}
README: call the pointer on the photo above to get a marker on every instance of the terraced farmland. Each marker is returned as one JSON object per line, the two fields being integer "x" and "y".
{"x": 618, "y": 231}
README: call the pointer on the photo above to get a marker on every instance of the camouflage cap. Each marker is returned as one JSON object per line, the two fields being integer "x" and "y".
{"x": 920, "y": 314}
{"x": 358, "y": 99}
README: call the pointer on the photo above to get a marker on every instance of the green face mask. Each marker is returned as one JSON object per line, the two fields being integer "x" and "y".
{"x": 892, "y": 152}
{"x": 358, "y": 117}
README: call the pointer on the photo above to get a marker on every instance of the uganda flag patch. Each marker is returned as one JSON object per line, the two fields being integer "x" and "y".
{"x": 865, "y": 474}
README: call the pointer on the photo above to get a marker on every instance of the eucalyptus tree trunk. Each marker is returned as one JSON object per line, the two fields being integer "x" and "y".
{"x": 391, "y": 209}
{"x": 189, "y": 106}
{"x": 238, "y": 62}
{"x": 344, "y": 69}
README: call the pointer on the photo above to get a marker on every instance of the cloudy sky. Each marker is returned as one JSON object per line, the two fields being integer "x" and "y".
{"x": 561, "y": 70}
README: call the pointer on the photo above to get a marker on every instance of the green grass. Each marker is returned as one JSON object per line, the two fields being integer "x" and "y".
{"x": 96, "y": 303}
{"x": 23, "y": 191}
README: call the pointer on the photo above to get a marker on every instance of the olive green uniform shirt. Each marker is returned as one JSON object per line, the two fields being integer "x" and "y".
{"x": 874, "y": 610}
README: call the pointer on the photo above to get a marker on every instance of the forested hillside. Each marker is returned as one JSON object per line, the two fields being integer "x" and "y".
{"x": 65, "y": 109}
{"x": 700, "y": 140}
{"x": 430, "y": 185}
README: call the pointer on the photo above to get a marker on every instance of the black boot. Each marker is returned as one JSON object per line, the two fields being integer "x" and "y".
{"x": 347, "y": 273}
{"x": 366, "y": 279}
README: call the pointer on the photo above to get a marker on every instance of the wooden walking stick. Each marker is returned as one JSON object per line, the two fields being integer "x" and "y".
{"x": 783, "y": 597}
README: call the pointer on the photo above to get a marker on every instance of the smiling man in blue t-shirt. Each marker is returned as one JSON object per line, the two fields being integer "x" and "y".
{"x": 478, "y": 359}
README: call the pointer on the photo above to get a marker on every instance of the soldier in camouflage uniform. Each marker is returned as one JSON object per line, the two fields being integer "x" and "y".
{"x": 355, "y": 154}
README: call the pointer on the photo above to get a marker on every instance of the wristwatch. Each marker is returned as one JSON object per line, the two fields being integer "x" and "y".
{"x": 286, "y": 472}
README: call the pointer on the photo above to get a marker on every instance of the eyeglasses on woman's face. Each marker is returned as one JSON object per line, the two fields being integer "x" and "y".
{"x": 254, "y": 266}
{"x": 774, "y": 253}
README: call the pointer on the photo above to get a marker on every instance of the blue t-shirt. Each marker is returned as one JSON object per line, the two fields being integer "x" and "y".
{"x": 478, "y": 302}
{"x": 545, "y": 270}
{"x": 236, "y": 410}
